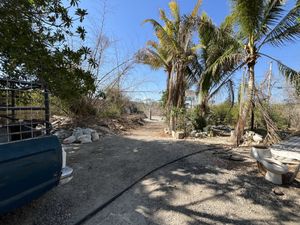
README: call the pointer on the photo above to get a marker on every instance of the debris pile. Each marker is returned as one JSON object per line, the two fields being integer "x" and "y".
{"x": 81, "y": 135}
{"x": 60, "y": 121}
{"x": 221, "y": 130}
{"x": 250, "y": 137}
{"x": 199, "y": 134}
{"x": 72, "y": 130}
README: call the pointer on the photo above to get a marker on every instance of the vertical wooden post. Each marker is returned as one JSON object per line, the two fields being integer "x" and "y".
{"x": 13, "y": 104}
{"x": 150, "y": 114}
{"x": 47, "y": 110}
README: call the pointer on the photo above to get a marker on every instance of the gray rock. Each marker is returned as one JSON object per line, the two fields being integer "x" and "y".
{"x": 193, "y": 133}
{"x": 95, "y": 136}
{"x": 69, "y": 140}
{"x": 87, "y": 131}
{"x": 257, "y": 138}
{"x": 86, "y": 138}
{"x": 62, "y": 134}
{"x": 179, "y": 135}
{"x": 78, "y": 132}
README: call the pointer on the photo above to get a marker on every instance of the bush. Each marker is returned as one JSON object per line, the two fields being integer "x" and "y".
{"x": 223, "y": 113}
{"x": 278, "y": 115}
{"x": 83, "y": 107}
{"x": 198, "y": 121}
{"x": 114, "y": 105}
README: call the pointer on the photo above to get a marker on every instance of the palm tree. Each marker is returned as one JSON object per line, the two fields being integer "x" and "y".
{"x": 260, "y": 23}
{"x": 156, "y": 57}
{"x": 215, "y": 41}
{"x": 175, "y": 41}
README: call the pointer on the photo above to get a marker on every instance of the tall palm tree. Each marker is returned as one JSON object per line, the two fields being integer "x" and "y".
{"x": 215, "y": 41}
{"x": 175, "y": 38}
{"x": 260, "y": 23}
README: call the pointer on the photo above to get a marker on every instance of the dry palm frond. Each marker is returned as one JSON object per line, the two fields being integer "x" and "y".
{"x": 272, "y": 136}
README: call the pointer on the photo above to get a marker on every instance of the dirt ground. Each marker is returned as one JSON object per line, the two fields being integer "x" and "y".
{"x": 206, "y": 188}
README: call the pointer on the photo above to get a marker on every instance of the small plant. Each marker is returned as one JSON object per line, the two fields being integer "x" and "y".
{"x": 179, "y": 114}
{"x": 198, "y": 121}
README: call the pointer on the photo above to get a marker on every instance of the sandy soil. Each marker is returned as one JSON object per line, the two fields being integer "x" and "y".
{"x": 207, "y": 188}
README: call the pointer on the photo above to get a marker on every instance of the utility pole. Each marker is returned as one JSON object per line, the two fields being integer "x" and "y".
{"x": 269, "y": 81}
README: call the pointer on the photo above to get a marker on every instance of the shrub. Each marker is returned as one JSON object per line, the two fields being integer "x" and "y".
{"x": 114, "y": 105}
{"x": 223, "y": 113}
{"x": 197, "y": 120}
{"x": 278, "y": 115}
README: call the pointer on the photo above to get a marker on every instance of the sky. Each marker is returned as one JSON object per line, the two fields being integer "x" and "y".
{"x": 124, "y": 25}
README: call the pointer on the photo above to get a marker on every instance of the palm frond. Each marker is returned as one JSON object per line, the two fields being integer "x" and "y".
{"x": 175, "y": 13}
{"x": 230, "y": 58}
{"x": 227, "y": 24}
{"x": 288, "y": 29}
{"x": 230, "y": 90}
{"x": 169, "y": 26}
{"x": 193, "y": 71}
{"x": 205, "y": 84}
{"x": 196, "y": 9}
{"x": 290, "y": 74}
{"x": 162, "y": 35}
{"x": 207, "y": 29}
{"x": 224, "y": 79}
{"x": 145, "y": 57}
{"x": 273, "y": 10}
{"x": 248, "y": 14}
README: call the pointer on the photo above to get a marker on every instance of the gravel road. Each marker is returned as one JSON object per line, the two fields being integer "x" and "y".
{"x": 204, "y": 189}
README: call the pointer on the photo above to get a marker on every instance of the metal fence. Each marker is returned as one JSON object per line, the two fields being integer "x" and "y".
{"x": 24, "y": 110}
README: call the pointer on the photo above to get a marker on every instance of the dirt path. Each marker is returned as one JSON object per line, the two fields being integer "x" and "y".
{"x": 203, "y": 189}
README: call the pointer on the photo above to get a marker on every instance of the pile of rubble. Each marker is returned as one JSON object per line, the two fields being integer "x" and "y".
{"x": 199, "y": 134}
{"x": 72, "y": 130}
{"x": 250, "y": 138}
{"x": 60, "y": 121}
{"x": 221, "y": 130}
{"x": 79, "y": 135}
{"x": 212, "y": 131}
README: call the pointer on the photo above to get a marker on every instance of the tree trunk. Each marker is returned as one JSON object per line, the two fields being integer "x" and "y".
{"x": 239, "y": 130}
{"x": 168, "y": 83}
{"x": 252, "y": 116}
{"x": 204, "y": 105}
{"x": 171, "y": 103}
{"x": 176, "y": 96}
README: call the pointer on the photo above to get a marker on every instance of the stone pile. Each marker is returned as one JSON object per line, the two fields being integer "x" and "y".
{"x": 79, "y": 135}
{"x": 199, "y": 134}
{"x": 250, "y": 137}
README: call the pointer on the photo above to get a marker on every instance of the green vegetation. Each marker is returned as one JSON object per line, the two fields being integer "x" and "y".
{"x": 223, "y": 114}
{"x": 210, "y": 64}
{"x": 176, "y": 53}
{"x": 34, "y": 46}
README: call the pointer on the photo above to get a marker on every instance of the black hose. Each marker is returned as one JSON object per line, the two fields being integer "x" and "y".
{"x": 105, "y": 204}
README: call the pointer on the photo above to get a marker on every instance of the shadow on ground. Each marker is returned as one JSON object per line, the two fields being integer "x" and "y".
{"x": 204, "y": 189}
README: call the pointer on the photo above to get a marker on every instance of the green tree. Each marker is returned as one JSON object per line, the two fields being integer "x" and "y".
{"x": 260, "y": 23}
{"x": 34, "y": 45}
{"x": 215, "y": 41}
{"x": 175, "y": 37}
